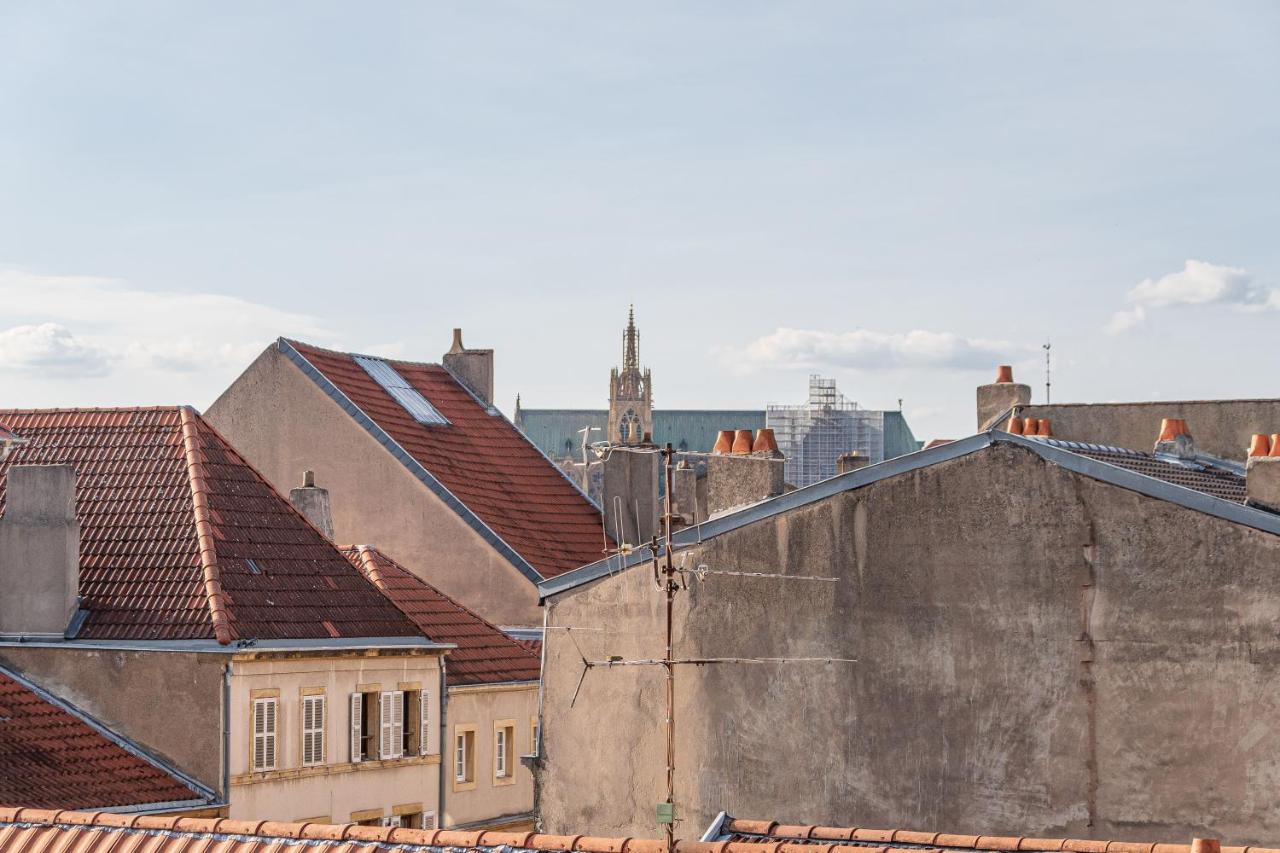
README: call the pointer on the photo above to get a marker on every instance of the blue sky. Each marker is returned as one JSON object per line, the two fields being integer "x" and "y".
{"x": 901, "y": 195}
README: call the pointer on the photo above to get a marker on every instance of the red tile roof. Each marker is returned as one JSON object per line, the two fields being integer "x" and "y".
{"x": 484, "y": 654}
{"x": 180, "y": 538}
{"x": 480, "y": 458}
{"x": 52, "y": 756}
{"x": 41, "y": 831}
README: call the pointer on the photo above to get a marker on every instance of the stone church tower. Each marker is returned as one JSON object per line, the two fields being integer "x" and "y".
{"x": 630, "y": 392}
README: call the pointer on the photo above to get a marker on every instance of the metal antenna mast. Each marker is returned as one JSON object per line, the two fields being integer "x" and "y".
{"x": 1047, "y": 384}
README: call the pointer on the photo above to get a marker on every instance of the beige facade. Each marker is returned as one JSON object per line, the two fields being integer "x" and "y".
{"x": 486, "y": 786}
{"x": 395, "y": 775}
{"x": 374, "y": 498}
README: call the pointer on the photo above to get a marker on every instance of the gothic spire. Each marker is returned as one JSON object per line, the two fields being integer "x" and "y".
{"x": 631, "y": 343}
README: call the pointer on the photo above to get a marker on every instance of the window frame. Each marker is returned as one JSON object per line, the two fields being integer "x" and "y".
{"x": 466, "y": 734}
{"x": 504, "y": 730}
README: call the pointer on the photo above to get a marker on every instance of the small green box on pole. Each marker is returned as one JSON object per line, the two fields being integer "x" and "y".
{"x": 666, "y": 813}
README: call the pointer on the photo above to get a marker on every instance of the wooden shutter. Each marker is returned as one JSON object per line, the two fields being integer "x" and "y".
{"x": 357, "y": 709}
{"x": 424, "y": 716}
{"x": 384, "y": 725}
{"x": 264, "y": 734}
{"x": 397, "y": 724}
{"x": 313, "y": 729}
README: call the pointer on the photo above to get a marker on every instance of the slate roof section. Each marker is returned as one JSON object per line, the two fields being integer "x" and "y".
{"x": 54, "y": 756}
{"x": 1201, "y": 475}
{"x": 479, "y": 462}
{"x": 180, "y": 538}
{"x": 798, "y": 837}
{"x": 484, "y": 654}
{"x": 43, "y": 831}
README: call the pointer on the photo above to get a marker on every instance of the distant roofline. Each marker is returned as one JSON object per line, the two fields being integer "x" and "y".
{"x": 1153, "y": 403}
{"x": 330, "y": 389}
{"x": 204, "y": 796}
{"x": 1084, "y": 465}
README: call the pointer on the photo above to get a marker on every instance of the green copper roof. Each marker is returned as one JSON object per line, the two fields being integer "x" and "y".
{"x": 556, "y": 432}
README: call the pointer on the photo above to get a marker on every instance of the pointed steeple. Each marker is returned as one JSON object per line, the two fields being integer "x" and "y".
{"x": 631, "y": 343}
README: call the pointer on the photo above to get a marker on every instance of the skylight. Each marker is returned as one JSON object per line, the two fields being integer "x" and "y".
{"x": 401, "y": 391}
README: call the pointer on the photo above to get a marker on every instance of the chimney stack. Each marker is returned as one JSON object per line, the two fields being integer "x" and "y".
{"x": 629, "y": 493}
{"x": 471, "y": 367}
{"x": 1175, "y": 439}
{"x": 847, "y": 462}
{"x": 313, "y": 502}
{"x": 39, "y": 552}
{"x": 999, "y": 397}
{"x": 1262, "y": 472}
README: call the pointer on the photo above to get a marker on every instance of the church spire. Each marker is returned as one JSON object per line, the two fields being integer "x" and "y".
{"x": 631, "y": 343}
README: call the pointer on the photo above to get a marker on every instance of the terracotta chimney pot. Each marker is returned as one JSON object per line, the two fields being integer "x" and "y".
{"x": 1206, "y": 845}
{"x": 724, "y": 442}
{"x": 1260, "y": 446}
{"x": 1004, "y": 374}
{"x": 1014, "y": 426}
{"x": 1044, "y": 428}
{"x": 1275, "y": 444}
{"x": 1171, "y": 428}
{"x": 765, "y": 441}
{"x": 1030, "y": 425}
{"x": 742, "y": 442}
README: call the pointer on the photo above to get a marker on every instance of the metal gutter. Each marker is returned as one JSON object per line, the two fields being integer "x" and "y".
{"x": 444, "y": 731}
{"x": 160, "y": 808}
{"x": 1084, "y": 465}
{"x": 206, "y": 795}
{"x": 238, "y": 647}
{"x": 415, "y": 467}
{"x": 771, "y": 507}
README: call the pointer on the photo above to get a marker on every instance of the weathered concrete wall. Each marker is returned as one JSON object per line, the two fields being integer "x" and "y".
{"x": 1220, "y": 427}
{"x": 1038, "y": 653}
{"x": 734, "y": 481}
{"x": 39, "y": 551}
{"x": 170, "y": 703}
{"x": 284, "y": 424}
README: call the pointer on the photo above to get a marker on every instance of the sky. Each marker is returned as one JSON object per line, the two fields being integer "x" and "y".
{"x": 900, "y": 195}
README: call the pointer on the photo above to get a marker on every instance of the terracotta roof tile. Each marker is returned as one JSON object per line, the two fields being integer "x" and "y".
{"x": 180, "y": 538}
{"x": 481, "y": 458}
{"x": 484, "y": 654}
{"x": 39, "y": 831}
{"x": 51, "y": 756}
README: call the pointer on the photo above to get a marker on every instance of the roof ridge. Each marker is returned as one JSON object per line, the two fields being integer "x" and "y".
{"x": 369, "y": 567}
{"x": 204, "y": 529}
{"x": 92, "y": 409}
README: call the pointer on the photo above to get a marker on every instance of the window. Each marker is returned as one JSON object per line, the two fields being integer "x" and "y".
{"x": 534, "y": 731}
{"x": 464, "y": 756}
{"x": 417, "y": 726}
{"x": 391, "y": 724}
{"x": 363, "y": 723}
{"x": 504, "y": 751}
{"x": 313, "y": 722}
{"x": 264, "y": 733}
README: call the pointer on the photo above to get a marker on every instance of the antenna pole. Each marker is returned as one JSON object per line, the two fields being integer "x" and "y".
{"x": 1047, "y": 384}
{"x": 669, "y": 580}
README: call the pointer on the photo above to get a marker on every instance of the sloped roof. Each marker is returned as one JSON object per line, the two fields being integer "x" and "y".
{"x": 484, "y": 654}
{"x": 1202, "y": 475}
{"x": 180, "y": 538}
{"x": 54, "y": 756}
{"x": 479, "y": 463}
{"x": 43, "y": 831}
{"x": 1123, "y": 470}
{"x": 756, "y": 833}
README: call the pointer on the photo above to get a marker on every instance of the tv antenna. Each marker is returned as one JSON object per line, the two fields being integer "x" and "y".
{"x": 1047, "y": 346}
{"x": 672, "y": 579}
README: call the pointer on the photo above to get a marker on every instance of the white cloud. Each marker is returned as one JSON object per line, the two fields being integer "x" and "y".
{"x": 863, "y": 349}
{"x": 1197, "y": 283}
{"x": 166, "y": 347}
{"x": 50, "y": 350}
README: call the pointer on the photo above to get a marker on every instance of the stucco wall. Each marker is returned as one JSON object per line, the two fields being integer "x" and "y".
{"x": 169, "y": 703}
{"x": 1220, "y": 427}
{"x": 482, "y": 706}
{"x": 279, "y": 420}
{"x": 1038, "y": 653}
{"x": 338, "y": 788}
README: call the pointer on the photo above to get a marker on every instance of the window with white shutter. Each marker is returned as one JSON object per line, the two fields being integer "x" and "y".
{"x": 313, "y": 723}
{"x": 397, "y": 724}
{"x": 357, "y": 727}
{"x": 424, "y": 718}
{"x": 264, "y": 734}
{"x": 390, "y": 724}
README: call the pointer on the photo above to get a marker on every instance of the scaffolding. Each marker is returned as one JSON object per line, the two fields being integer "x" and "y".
{"x": 815, "y": 434}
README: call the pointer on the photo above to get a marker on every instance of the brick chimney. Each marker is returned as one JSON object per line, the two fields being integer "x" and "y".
{"x": 39, "y": 552}
{"x": 1262, "y": 473}
{"x": 313, "y": 502}
{"x": 999, "y": 397}
{"x": 471, "y": 367}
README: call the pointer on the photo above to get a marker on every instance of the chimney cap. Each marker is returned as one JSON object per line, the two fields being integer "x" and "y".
{"x": 1044, "y": 428}
{"x": 308, "y": 479}
{"x": 1014, "y": 426}
{"x": 742, "y": 442}
{"x": 1260, "y": 445}
{"x": 457, "y": 341}
{"x": 1171, "y": 428}
{"x": 1004, "y": 374}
